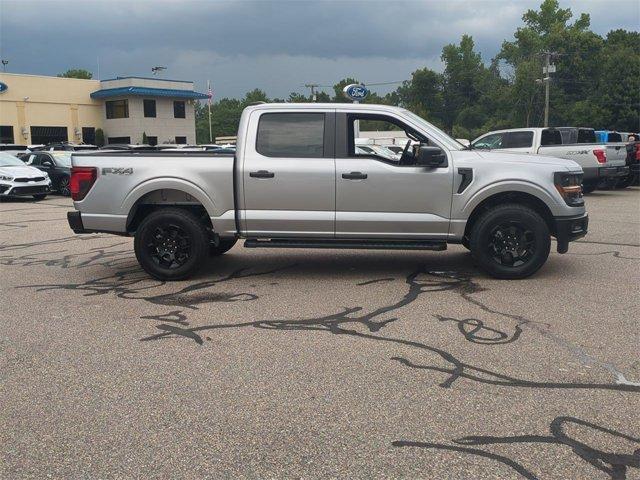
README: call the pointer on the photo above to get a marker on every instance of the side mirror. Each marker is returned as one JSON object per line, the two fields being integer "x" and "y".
{"x": 463, "y": 141}
{"x": 47, "y": 163}
{"x": 432, "y": 157}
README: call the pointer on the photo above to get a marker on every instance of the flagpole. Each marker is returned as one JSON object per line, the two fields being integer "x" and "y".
{"x": 209, "y": 106}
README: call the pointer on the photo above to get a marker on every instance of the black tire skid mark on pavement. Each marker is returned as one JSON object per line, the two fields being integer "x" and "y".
{"x": 614, "y": 253}
{"x": 615, "y": 465}
{"x": 339, "y": 323}
{"x": 131, "y": 283}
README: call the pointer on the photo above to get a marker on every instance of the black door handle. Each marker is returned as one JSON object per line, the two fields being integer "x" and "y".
{"x": 262, "y": 174}
{"x": 354, "y": 176}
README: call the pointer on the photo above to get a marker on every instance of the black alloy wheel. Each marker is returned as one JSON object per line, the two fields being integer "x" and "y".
{"x": 169, "y": 246}
{"x": 511, "y": 244}
{"x": 171, "y": 243}
{"x": 63, "y": 187}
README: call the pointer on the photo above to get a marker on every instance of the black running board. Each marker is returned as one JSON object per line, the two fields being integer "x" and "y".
{"x": 438, "y": 245}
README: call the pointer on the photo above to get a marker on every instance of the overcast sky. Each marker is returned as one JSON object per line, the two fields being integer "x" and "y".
{"x": 273, "y": 45}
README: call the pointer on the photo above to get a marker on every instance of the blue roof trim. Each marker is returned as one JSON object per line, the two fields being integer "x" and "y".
{"x": 146, "y": 78}
{"x": 147, "y": 92}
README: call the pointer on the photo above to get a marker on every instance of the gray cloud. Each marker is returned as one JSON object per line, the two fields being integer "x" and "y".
{"x": 274, "y": 45}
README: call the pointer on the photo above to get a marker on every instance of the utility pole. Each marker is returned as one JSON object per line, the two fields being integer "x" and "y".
{"x": 547, "y": 70}
{"x": 313, "y": 87}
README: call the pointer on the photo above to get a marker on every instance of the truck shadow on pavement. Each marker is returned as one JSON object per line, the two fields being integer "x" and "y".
{"x": 613, "y": 464}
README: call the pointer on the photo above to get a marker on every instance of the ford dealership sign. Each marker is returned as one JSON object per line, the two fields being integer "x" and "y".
{"x": 3, "y": 87}
{"x": 356, "y": 92}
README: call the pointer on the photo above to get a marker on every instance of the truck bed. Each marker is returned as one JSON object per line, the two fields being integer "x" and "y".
{"x": 125, "y": 176}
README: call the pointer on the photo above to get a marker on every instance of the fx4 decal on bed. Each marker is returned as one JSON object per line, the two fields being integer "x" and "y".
{"x": 117, "y": 171}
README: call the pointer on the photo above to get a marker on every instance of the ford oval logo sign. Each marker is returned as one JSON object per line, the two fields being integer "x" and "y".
{"x": 356, "y": 92}
{"x": 3, "y": 87}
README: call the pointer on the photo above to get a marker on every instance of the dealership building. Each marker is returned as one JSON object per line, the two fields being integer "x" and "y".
{"x": 36, "y": 109}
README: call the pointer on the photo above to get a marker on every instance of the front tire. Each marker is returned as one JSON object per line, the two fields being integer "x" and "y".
{"x": 171, "y": 244}
{"x": 510, "y": 241}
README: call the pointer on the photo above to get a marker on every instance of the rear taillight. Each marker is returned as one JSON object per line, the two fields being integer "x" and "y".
{"x": 638, "y": 151}
{"x": 601, "y": 155}
{"x": 82, "y": 179}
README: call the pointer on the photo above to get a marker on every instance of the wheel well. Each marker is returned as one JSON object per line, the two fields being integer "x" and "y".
{"x": 521, "y": 198}
{"x": 164, "y": 198}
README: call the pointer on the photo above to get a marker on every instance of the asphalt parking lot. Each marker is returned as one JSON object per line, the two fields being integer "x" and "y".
{"x": 316, "y": 363}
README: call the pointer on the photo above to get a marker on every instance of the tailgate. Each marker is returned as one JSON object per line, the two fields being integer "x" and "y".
{"x": 616, "y": 155}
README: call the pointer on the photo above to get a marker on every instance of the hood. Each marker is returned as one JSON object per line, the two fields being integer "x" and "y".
{"x": 21, "y": 171}
{"x": 517, "y": 157}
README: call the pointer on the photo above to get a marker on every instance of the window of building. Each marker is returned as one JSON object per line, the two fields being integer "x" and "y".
{"x": 149, "y": 108}
{"x": 153, "y": 141}
{"x": 45, "y": 135}
{"x": 179, "y": 110}
{"x": 126, "y": 140}
{"x": 117, "y": 108}
{"x": 293, "y": 135}
{"x": 89, "y": 135}
{"x": 519, "y": 139}
{"x": 181, "y": 140}
{"x": 6, "y": 134}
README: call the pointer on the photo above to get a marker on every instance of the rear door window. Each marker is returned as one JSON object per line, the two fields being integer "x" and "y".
{"x": 519, "y": 139}
{"x": 291, "y": 135}
{"x": 586, "y": 136}
{"x": 550, "y": 137}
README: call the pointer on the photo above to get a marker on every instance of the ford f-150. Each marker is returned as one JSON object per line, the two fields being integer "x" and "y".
{"x": 298, "y": 181}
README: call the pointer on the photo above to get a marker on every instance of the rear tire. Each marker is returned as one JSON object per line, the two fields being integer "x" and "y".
{"x": 40, "y": 196}
{"x": 171, "y": 244}
{"x": 625, "y": 182}
{"x": 510, "y": 241}
{"x": 224, "y": 246}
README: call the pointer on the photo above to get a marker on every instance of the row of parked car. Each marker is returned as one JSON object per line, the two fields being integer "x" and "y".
{"x": 608, "y": 159}
{"x": 38, "y": 170}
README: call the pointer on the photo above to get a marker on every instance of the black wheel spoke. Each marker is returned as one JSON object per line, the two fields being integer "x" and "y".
{"x": 169, "y": 246}
{"x": 511, "y": 244}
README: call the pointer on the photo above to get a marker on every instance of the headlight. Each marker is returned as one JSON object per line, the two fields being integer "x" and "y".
{"x": 8, "y": 179}
{"x": 569, "y": 186}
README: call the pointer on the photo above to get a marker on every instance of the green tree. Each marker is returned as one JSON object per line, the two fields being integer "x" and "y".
{"x": 99, "y": 137}
{"x": 77, "y": 73}
{"x": 145, "y": 140}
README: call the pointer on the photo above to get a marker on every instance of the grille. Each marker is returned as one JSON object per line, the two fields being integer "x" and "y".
{"x": 29, "y": 190}
{"x": 24, "y": 179}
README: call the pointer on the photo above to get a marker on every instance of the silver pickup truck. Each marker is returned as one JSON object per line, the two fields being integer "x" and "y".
{"x": 298, "y": 181}
{"x": 600, "y": 162}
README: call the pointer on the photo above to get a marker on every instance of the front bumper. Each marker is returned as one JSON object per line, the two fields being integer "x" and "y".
{"x": 569, "y": 229}
{"x": 22, "y": 189}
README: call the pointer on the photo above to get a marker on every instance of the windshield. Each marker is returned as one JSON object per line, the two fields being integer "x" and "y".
{"x": 439, "y": 136}
{"x": 63, "y": 158}
{"x": 8, "y": 160}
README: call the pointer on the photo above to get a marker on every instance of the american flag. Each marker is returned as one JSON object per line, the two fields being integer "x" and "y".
{"x": 209, "y": 91}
